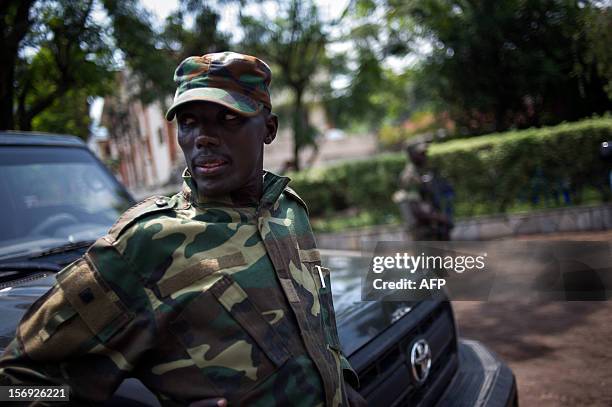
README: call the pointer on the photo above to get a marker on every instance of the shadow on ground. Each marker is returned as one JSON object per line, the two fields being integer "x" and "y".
{"x": 512, "y": 328}
{"x": 559, "y": 351}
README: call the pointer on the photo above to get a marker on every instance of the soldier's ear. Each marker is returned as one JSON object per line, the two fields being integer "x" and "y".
{"x": 271, "y": 128}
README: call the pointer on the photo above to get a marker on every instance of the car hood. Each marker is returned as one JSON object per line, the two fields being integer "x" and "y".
{"x": 16, "y": 297}
{"x": 358, "y": 321}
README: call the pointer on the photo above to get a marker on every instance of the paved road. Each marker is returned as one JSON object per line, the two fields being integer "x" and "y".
{"x": 561, "y": 352}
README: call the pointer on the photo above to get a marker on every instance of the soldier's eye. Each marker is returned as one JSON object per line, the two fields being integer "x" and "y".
{"x": 187, "y": 121}
{"x": 230, "y": 116}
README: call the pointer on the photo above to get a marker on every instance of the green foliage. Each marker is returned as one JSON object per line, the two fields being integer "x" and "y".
{"x": 293, "y": 41}
{"x": 364, "y": 184}
{"x": 142, "y": 51}
{"x": 341, "y": 221}
{"x": 498, "y": 169}
{"x": 375, "y": 96}
{"x": 68, "y": 114}
{"x": 357, "y": 104}
{"x": 598, "y": 26}
{"x": 152, "y": 53}
{"x": 490, "y": 174}
{"x": 59, "y": 53}
{"x": 498, "y": 65}
{"x": 66, "y": 58}
{"x": 202, "y": 37}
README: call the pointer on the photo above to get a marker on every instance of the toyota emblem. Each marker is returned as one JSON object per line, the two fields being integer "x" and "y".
{"x": 420, "y": 360}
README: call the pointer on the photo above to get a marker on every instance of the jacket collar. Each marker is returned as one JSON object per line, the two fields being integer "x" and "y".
{"x": 273, "y": 187}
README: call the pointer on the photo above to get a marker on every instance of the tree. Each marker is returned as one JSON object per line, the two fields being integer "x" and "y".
{"x": 373, "y": 94}
{"x": 598, "y": 25}
{"x": 55, "y": 50}
{"x": 68, "y": 114}
{"x": 64, "y": 53}
{"x": 202, "y": 37}
{"x": 153, "y": 53}
{"x": 293, "y": 40}
{"x": 502, "y": 64}
{"x": 54, "y": 54}
{"x": 15, "y": 22}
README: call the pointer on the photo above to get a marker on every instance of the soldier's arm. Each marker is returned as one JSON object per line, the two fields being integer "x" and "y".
{"x": 328, "y": 313}
{"x": 351, "y": 378}
{"x": 80, "y": 334}
{"x": 329, "y": 320}
{"x": 408, "y": 186}
{"x": 424, "y": 216}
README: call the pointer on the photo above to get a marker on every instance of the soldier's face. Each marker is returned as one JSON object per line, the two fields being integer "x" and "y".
{"x": 224, "y": 150}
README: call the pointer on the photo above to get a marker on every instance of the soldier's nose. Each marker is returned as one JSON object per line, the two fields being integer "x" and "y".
{"x": 205, "y": 141}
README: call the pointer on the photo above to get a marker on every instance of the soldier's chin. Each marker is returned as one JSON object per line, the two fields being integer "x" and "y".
{"x": 213, "y": 187}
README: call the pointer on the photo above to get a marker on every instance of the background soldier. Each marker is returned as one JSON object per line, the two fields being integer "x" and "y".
{"x": 216, "y": 292}
{"x": 424, "y": 198}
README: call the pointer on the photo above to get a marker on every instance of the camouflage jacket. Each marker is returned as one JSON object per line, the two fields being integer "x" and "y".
{"x": 196, "y": 299}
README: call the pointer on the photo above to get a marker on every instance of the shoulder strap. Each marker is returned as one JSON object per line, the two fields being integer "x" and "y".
{"x": 289, "y": 192}
{"x": 150, "y": 205}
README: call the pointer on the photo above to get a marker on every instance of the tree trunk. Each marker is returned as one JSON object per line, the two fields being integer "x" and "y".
{"x": 12, "y": 31}
{"x": 500, "y": 113}
{"x": 7, "y": 78}
{"x": 298, "y": 127}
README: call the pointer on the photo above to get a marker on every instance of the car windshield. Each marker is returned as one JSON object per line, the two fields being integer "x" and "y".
{"x": 53, "y": 196}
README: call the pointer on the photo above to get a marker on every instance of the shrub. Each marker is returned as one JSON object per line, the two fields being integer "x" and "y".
{"x": 489, "y": 173}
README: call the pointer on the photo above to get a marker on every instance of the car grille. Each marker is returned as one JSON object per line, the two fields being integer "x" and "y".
{"x": 387, "y": 378}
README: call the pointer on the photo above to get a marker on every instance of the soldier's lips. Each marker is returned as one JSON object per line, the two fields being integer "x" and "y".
{"x": 211, "y": 167}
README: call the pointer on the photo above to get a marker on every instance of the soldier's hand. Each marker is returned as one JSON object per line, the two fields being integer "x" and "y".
{"x": 212, "y": 402}
{"x": 354, "y": 398}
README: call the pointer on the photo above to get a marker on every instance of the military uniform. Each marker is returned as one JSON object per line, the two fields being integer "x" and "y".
{"x": 409, "y": 192}
{"x": 197, "y": 299}
{"x": 420, "y": 186}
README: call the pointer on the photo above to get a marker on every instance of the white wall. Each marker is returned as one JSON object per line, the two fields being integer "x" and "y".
{"x": 159, "y": 143}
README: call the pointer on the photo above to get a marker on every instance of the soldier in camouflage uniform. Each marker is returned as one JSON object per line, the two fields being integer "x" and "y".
{"x": 215, "y": 293}
{"x": 419, "y": 198}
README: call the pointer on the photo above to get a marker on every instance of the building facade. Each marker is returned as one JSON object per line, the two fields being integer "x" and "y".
{"x": 140, "y": 146}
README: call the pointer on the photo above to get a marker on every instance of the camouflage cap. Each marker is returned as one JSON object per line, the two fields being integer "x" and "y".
{"x": 237, "y": 81}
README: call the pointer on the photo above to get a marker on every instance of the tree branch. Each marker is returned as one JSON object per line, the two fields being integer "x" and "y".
{"x": 26, "y": 120}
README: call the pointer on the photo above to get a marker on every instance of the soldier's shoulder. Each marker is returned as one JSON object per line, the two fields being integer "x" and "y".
{"x": 291, "y": 194}
{"x": 91, "y": 295}
{"x": 152, "y": 206}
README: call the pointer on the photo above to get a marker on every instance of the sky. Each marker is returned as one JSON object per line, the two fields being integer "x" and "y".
{"x": 161, "y": 9}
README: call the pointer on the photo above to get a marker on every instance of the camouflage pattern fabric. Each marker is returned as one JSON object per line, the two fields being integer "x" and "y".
{"x": 196, "y": 299}
{"x": 410, "y": 182}
{"x": 237, "y": 81}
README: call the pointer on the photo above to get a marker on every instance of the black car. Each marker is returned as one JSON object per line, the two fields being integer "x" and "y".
{"x": 59, "y": 198}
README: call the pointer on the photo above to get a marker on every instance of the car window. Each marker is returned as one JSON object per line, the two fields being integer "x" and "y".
{"x": 53, "y": 196}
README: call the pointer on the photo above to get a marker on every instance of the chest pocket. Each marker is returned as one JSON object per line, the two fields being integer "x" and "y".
{"x": 229, "y": 339}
